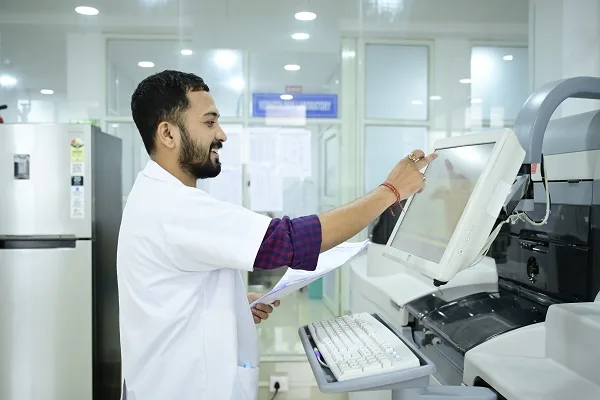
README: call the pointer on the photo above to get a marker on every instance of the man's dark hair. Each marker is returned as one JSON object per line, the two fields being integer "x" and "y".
{"x": 162, "y": 97}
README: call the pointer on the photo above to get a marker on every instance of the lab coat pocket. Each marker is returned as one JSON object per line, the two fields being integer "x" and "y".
{"x": 246, "y": 385}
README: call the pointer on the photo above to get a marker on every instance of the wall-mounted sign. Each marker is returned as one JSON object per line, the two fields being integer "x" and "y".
{"x": 316, "y": 105}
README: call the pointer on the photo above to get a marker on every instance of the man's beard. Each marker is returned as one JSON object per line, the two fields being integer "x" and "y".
{"x": 197, "y": 161}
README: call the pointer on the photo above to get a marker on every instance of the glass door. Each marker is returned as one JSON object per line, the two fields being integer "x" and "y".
{"x": 329, "y": 199}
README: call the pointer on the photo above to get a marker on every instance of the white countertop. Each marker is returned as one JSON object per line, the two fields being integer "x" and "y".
{"x": 555, "y": 360}
{"x": 406, "y": 285}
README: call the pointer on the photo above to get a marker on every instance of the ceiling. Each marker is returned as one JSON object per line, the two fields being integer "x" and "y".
{"x": 33, "y": 34}
{"x": 480, "y": 11}
{"x": 266, "y": 67}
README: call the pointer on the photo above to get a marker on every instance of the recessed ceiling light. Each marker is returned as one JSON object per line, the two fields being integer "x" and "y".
{"x": 286, "y": 97}
{"x": 305, "y": 16}
{"x": 465, "y": 80}
{"x": 237, "y": 83}
{"x": 508, "y": 57}
{"x": 7, "y": 80}
{"x": 417, "y": 102}
{"x": 475, "y": 101}
{"x": 47, "y": 91}
{"x": 146, "y": 64}
{"x": 225, "y": 59}
{"x": 186, "y": 52}
{"x": 435, "y": 98}
{"x": 291, "y": 67}
{"x": 300, "y": 36}
{"x": 85, "y": 10}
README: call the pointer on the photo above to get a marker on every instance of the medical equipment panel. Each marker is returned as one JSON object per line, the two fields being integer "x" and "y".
{"x": 542, "y": 262}
{"x": 445, "y": 228}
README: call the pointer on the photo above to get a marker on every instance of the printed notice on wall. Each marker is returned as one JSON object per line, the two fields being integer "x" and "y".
{"x": 262, "y": 146}
{"x": 77, "y": 202}
{"x": 294, "y": 153}
{"x": 266, "y": 188}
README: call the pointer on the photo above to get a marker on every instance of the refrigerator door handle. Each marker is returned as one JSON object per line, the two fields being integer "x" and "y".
{"x": 37, "y": 243}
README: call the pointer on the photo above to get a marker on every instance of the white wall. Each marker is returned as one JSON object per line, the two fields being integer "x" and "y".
{"x": 451, "y": 63}
{"x": 86, "y": 76}
{"x": 564, "y": 36}
{"x": 406, "y": 109}
{"x": 500, "y": 81}
{"x": 119, "y": 88}
{"x": 396, "y": 81}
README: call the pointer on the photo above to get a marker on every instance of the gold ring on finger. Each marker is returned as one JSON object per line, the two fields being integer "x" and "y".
{"x": 412, "y": 157}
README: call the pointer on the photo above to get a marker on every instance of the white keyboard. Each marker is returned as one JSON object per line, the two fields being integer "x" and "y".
{"x": 358, "y": 345}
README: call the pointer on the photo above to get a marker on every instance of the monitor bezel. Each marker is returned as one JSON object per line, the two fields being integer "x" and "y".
{"x": 430, "y": 268}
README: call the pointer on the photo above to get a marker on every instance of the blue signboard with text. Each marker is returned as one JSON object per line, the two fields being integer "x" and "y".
{"x": 316, "y": 105}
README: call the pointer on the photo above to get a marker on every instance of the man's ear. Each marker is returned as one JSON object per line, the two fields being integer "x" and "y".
{"x": 165, "y": 135}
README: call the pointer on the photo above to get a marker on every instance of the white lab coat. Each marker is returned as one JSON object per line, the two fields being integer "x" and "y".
{"x": 186, "y": 326}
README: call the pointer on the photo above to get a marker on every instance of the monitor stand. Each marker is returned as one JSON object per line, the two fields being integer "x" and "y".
{"x": 412, "y": 384}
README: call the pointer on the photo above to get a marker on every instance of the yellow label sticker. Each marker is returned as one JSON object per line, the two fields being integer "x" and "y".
{"x": 77, "y": 151}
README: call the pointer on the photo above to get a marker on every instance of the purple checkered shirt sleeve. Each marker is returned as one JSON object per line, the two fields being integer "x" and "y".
{"x": 295, "y": 243}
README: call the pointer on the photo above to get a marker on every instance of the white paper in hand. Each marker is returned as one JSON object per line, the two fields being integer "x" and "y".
{"x": 330, "y": 260}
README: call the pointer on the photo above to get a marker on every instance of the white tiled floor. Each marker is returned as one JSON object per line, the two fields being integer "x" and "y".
{"x": 283, "y": 354}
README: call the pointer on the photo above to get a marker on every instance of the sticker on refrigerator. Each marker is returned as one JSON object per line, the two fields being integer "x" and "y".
{"x": 21, "y": 162}
{"x": 77, "y": 202}
{"x": 77, "y": 151}
{"x": 77, "y": 168}
{"x": 77, "y": 181}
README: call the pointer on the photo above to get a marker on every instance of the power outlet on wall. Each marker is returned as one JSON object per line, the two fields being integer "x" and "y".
{"x": 284, "y": 384}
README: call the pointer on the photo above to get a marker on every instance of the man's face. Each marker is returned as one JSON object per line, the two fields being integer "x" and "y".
{"x": 200, "y": 137}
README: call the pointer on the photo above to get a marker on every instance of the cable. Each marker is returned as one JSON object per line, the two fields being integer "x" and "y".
{"x": 323, "y": 363}
{"x": 277, "y": 386}
{"x": 319, "y": 356}
{"x": 516, "y": 216}
{"x": 545, "y": 181}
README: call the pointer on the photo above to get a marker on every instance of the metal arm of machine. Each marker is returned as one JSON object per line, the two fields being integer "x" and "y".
{"x": 532, "y": 120}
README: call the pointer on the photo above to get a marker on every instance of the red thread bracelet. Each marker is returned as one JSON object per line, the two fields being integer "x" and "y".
{"x": 396, "y": 193}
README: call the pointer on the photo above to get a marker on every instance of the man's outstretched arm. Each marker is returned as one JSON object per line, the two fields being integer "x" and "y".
{"x": 297, "y": 242}
{"x": 294, "y": 243}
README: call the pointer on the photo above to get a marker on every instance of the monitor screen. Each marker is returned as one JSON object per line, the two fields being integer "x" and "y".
{"x": 432, "y": 215}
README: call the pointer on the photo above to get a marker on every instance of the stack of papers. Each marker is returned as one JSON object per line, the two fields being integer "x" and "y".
{"x": 329, "y": 261}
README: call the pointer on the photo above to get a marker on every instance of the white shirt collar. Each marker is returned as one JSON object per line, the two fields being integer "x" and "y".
{"x": 156, "y": 172}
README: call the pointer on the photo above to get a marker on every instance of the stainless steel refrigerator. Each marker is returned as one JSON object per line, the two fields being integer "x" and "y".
{"x": 60, "y": 210}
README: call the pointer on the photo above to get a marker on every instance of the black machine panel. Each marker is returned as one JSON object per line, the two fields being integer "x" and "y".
{"x": 555, "y": 259}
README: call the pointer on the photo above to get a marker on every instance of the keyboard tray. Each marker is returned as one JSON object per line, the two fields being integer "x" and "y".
{"x": 407, "y": 379}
